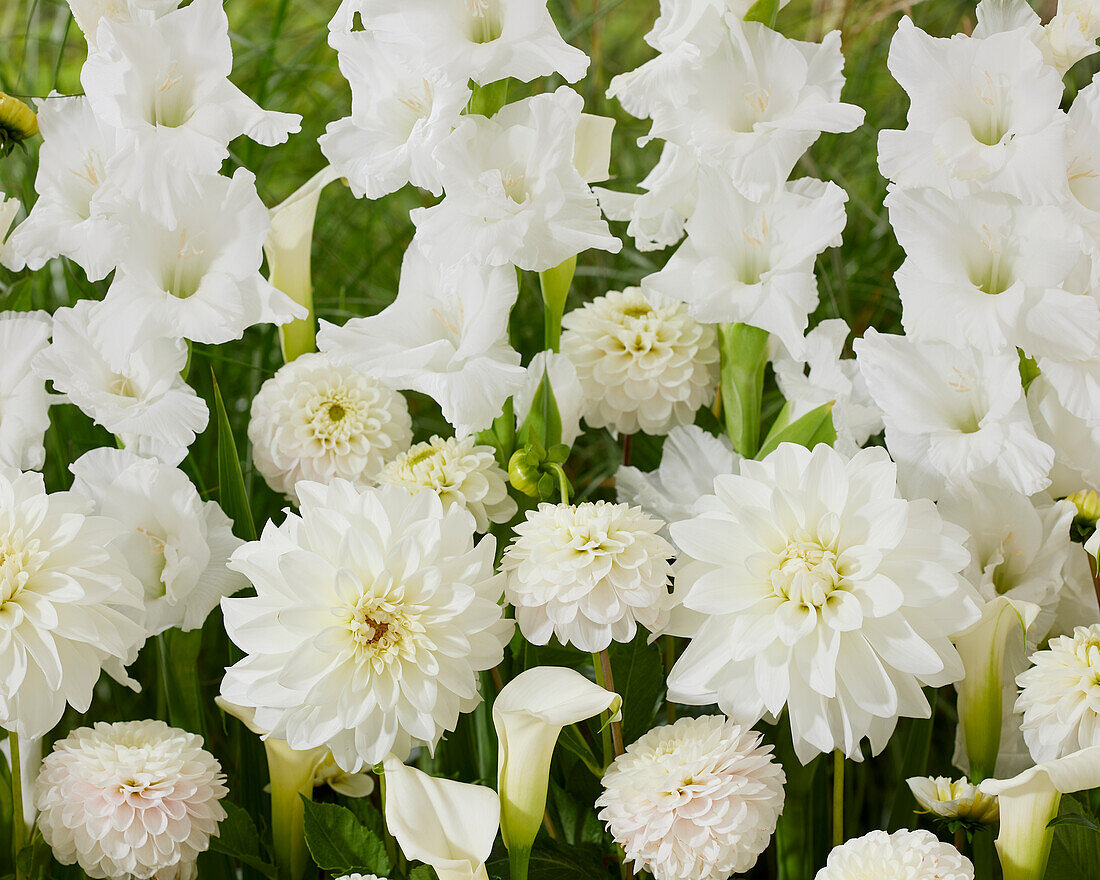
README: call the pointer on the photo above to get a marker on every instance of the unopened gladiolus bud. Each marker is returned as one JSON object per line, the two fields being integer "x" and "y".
{"x": 288, "y": 258}
{"x": 528, "y": 714}
{"x": 17, "y": 123}
{"x": 1087, "y": 503}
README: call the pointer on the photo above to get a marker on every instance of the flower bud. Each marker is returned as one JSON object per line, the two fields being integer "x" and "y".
{"x": 17, "y": 123}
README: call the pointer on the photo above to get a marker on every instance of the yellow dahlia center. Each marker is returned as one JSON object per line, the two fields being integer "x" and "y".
{"x": 335, "y": 416}
{"x": 380, "y": 629}
{"x": 18, "y": 560}
{"x": 806, "y": 573}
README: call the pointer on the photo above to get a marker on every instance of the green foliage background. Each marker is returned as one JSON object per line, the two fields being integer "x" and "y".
{"x": 283, "y": 61}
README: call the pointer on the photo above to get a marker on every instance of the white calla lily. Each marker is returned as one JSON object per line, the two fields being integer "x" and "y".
{"x": 983, "y": 647}
{"x": 528, "y": 714}
{"x": 288, "y": 246}
{"x": 1029, "y": 801}
{"x": 446, "y": 824}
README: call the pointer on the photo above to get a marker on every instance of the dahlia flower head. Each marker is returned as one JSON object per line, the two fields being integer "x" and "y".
{"x": 373, "y": 615}
{"x": 460, "y": 472}
{"x": 913, "y": 855}
{"x": 1060, "y": 696}
{"x": 587, "y": 574}
{"x": 694, "y": 800}
{"x": 815, "y": 585}
{"x": 69, "y": 604}
{"x": 643, "y": 362}
{"x": 131, "y": 800}
{"x": 317, "y": 420}
{"x": 954, "y": 799}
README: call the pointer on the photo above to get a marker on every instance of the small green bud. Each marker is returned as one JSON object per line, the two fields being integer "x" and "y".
{"x": 1087, "y": 503}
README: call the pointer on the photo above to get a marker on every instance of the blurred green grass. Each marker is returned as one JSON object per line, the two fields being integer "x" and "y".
{"x": 282, "y": 59}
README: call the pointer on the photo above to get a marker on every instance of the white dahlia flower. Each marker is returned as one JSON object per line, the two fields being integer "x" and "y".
{"x": 588, "y": 574}
{"x": 69, "y": 605}
{"x": 954, "y": 799}
{"x": 373, "y": 614}
{"x": 318, "y": 420}
{"x": 177, "y": 545}
{"x": 130, "y": 801}
{"x": 644, "y": 363}
{"x": 817, "y": 586}
{"x": 1060, "y": 696}
{"x": 459, "y": 472}
{"x": 694, "y": 800}
{"x": 914, "y": 855}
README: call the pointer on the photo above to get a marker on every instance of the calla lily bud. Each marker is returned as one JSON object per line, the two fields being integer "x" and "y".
{"x": 288, "y": 247}
{"x": 17, "y": 123}
{"x": 528, "y": 714}
{"x": 1029, "y": 802}
{"x": 446, "y": 824}
{"x": 982, "y": 648}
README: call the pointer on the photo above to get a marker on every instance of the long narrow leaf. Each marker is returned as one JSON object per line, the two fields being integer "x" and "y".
{"x": 231, "y": 491}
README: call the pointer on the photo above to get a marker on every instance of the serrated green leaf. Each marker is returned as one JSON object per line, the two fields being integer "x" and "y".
{"x": 422, "y": 872}
{"x": 340, "y": 843}
{"x": 238, "y": 839}
{"x": 814, "y": 427}
{"x": 231, "y": 490}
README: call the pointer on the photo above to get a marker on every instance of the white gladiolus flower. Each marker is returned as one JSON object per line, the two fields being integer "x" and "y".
{"x": 177, "y": 544}
{"x": 89, "y": 13}
{"x": 1080, "y": 194}
{"x": 983, "y": 113}
{"x": 482, "y": 40}
{"x": 69, "y": 605}
{"x": 460, "y": 472}
{"x": 9, "y": 209}
{"x": 135, "y": 392}
{"x": 954, "y": 799}
{"x": 753, "y": 262}
{"x": 746, "y": 100}
{"x": 914, "y": 855}
{"x": 69, "y": 218}
{"x": 402, "y": 107}
{"x": 199, "y": 276}
{"x": 24, "y": 402}
{"x": 529, "y": 714}
{"x": 1072, "y": 33}
{"x": 817, "y": 586}
{"x": 317, "y": 420}
{"x": 1028, "y": 802}
{"x": 1076, "y": 445}
{"x": 355, "y": 643}
{"x": 953, "y": 415}
{"x": 569, "y": 394}
{"x": 587, "y": 574}
{"x": 446, "y": 824}
{"x": 694, "y": 800}
{"x": 514, "y": 194}
{"x": 644, "y": 363}
{"x": 134, "y": 799}
{"x": 690, "y": 461}
{"x": 1060, "y": 695}
{"x": 819, "y": 375}
{"x": 164, "y": 83}
{"x": 986, "y": 259}
{"x": 446, "y": 335}
{"x": 686, "y": 20}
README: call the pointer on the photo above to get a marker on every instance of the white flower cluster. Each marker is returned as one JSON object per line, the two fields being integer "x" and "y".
{"x": 515, "y": 185}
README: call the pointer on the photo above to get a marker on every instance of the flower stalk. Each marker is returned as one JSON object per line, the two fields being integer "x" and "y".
{"x": 838, "y": 797}
{"x": 18, "y": 823}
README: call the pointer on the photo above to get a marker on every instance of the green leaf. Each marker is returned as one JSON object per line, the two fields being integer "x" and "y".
{"x": 763, "y": 11}
{"x": 340, "y": 843}
{"x": 501, "y": 435}
{"x": 238, "y": 839}
{"x": 809, "y": 430}
{"x": 580, "y": 862}
{"x": 231, "y": 491}
{"x": 744, "y": 352}
{"x": 543, "y": 422}
{"x": 178, "y": 659}
{"x": 422, "y": 872}
{"x": 1075, "y": 852}
{"x": 912, "y": 741}
{"x": 639, "y": 677}
{"x": 1029, "y": 369}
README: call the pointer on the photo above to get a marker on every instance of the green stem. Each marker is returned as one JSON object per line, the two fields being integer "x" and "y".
{"x": 555, "y": 284}
{"x": 605, "y": 726}
{"x": 744, "y": 352}
{"x": 388, "y": 841}
{"x": 838, "y": 797}
{"x": 18, "y": 824}
{"x": 563, "y": 482}
{"x": 518, "y": 861}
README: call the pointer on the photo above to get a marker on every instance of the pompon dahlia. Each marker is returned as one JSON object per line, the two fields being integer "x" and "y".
{"x": 913, "y": 855}
{"x": 694, "y": 800}
{"x": 69, "y": 605}
{"x": 459, "y": 472}
{"x": 1060, "y": 696}
{"x": 816, "y": 586}
{"x": 130, "y": 801}
{"x": 588, "y": 574}
{"x": 644, "y": 363}
{"x": 316, "y": 420}
{"x": 954, "y": 799}
{"x": 373, "y": 615}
